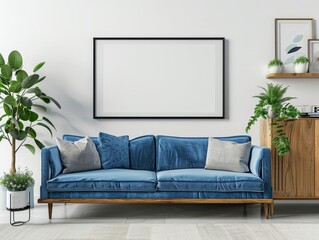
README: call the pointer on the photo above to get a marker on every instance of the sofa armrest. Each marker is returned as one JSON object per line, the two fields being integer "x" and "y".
{"x": 51, "y": 166}
{"x": 260, "y": 166}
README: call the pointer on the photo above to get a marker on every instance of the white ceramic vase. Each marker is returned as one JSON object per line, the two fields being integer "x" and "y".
{"x": 275, "y": 69}
{"x": 17, "y": 199}
{"x": 301, "y": 67}
{"x": 270, "y": 113}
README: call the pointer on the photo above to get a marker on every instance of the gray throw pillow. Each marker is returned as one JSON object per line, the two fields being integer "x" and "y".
{"x": 78, "y": 156}
{"x": 227, "y": 155}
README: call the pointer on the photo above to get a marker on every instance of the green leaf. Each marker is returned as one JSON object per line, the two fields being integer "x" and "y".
{"x": 16, "y": 124}
{"x": 30, "y": 81}
{"x": 9, "y": 100}
{"x": 43, "y": 97}
{"x": 41, "y": 79}
{"x": 4, "y": 81}
{"x": 16, "y": 134}
{"x": 5, "y": 92}
{"x": 46, "y": 100}
{"x": 30, "y": 147}
{"x": 15, "y": 86}
{"x": 7, "y": 109}
{"x": 25, "y": 101}
{"x": 39, "y": 144}
{"x": 37, "y": 67}
{"x": 21, "y": 75}
{"x": 3, "y": 86}
{"x": 31, "y": 132}
{"x": 40, "y": 107}
{"x": 45, "y": 126}
{"x": 25, "y": 115}
{"x": 20, "y": 125}
{"x": 48, "y": 121}
{"x": 6, "y": 71}
{"x": 15, "y": 60}
{"x": 1, "y": 60}
{"x": 35, "y": 90}
{"x": 1, "y": 137}
{"x": 33, "y": 116}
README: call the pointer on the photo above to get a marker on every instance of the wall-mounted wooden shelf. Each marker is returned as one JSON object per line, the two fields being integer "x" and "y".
{"x": 292, "y": 75}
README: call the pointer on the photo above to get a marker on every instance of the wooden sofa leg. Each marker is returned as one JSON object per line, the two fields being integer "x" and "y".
{"x": 266, "y": 208}
{"x": 50, "y": 206}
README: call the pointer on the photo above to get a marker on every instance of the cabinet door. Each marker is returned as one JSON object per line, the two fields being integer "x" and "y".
{"x": 298, "y": 167}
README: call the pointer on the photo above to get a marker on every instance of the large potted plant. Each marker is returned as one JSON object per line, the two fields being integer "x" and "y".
{"x": 22, "y": 102}
{"x": 275, "y": 105}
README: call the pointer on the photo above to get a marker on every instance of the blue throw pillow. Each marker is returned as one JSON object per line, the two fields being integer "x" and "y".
{"x": 114, "y": 151}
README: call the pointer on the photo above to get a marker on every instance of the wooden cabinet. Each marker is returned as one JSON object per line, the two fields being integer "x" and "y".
{"x": 296, "y": 174}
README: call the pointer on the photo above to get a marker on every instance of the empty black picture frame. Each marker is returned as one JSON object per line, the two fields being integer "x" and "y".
{"x": 103, "y": 74}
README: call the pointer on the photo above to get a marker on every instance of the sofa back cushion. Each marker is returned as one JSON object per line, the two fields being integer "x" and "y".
{"x": 114, "y": 151}
{"x": 141, "y": 151}
{"x": 186, "y": 152}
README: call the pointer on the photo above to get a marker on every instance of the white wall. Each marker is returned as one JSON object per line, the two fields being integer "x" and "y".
{"x": 60, "y": 32}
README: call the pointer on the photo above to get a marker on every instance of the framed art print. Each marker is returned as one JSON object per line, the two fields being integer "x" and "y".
{"x": 158, "y": 77}
{"x": 313, "y": 55}
{"x": 292, "y": 36}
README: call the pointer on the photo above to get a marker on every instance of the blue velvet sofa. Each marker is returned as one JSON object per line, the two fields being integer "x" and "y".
{"x": 163, "y": 169}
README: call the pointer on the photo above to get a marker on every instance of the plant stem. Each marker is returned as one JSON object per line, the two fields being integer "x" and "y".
{"x": 13, "y": 161}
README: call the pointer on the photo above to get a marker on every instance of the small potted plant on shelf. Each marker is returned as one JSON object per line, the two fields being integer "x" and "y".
{"x": 17, "y": 185}
{"x": 22, "y": 103}
{"x": 275, "y": 66}
{"x": 301, "y": 64}
{"x": 275, "y": 105}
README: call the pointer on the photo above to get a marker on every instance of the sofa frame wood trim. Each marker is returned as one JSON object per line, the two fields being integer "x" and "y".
{"x": 267, "y": 203}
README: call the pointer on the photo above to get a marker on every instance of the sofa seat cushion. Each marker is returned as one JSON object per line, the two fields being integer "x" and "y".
{"x": 105, "y": 180}
{"x": 208, "y": 180}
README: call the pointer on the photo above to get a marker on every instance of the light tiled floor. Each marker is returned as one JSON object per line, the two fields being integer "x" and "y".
{"x": 285, "y": 212}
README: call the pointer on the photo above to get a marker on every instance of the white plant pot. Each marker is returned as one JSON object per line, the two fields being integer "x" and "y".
{"x": 3, "y": 197}
{"x": 275, "y": 69}
{"x": 19, "y": 199}
{"x": 301, "y": 68}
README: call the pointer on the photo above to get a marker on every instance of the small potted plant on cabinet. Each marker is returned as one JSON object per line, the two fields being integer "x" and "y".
{"x": 301, "y": 64}
{"x": 274, "y": 104}
{"x": 22, "y": 102}
{"x": 275, "y": 66}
